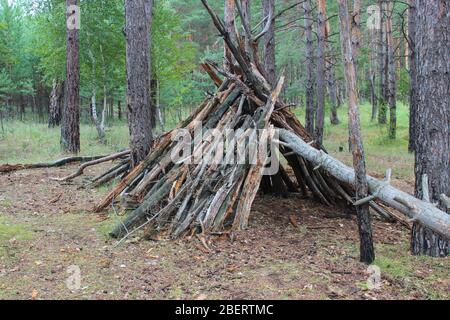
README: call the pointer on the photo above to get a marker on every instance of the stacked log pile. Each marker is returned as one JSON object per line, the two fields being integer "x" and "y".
{"x": 176, "y": 198}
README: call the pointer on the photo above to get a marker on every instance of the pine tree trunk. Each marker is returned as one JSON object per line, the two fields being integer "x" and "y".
{"x": 392, "y": 85}
{"x": 310, "y": 110}
{"x": 70, "y": 124}
{"x": 334, "y": 99}
{"x": 153, "y": 99}
{"x": 432, "y": 116}
{"x": 320, "y": 110}
{"x": 373, "y": 68}
{"x": 356, "y": 30}
{"x": 106, "y": 109}
{"x": 56, "y": 100}
{"x": 413, "y": 76}
{"x": 111, "y": 107}
{"x": 382, "y": 106}
{"x": 138, "y": 77}
{"x": 367, "y": 253}
{"x": 269, "y": 44}
{"x": 333, "y": 96}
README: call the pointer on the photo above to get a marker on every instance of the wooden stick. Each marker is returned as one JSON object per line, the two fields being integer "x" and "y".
{"x": 80, "y": 170}
{"x": 58, "y": 163}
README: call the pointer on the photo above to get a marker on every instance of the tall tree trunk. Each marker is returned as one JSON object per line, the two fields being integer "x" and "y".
{"x": 413, "y": 75}
{"x": 230, "y": 27}
{"x": 373, "y": 68}
{"x": 137, "y": 27}
{"x": 159, "y": 107}
{"x": 432, "y": 116}
{"x": 367, "y": 253}
{"x": 56, "y": 100}
{"x": 153, "y": 99}
{"x": 70, "y": 124}
{"x": 119, "y": 109}
{"x": 310, "y": 110}
{"x": 320, "y": 108}
{"x": 392, "y": 85}
{"x": 269, "y": 43}
{"x": 105, "y": 102}
{"x": 382, "y": 106}
{"x": 356, "y": 29}
{"x": 334, "y": 99}
{"x": 111, "y": 104}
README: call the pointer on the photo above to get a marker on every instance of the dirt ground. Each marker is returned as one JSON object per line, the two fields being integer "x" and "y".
{"x": 294, "y": 249}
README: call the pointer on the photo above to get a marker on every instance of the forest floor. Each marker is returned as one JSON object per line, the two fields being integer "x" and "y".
{"x": 294, "y": 249}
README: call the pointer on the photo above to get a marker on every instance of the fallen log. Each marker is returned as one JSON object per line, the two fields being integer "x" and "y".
{"x": 416, "y": 210}
{"x": 7, "y": 168}
{"x": 81, "y": 169}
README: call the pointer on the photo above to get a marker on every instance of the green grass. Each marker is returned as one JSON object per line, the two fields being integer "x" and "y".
{"x": 381, "y": 152}
{"x": 10, "y": 231}
{"x": 404, "y": 268}
{"x": 27, "y": 142}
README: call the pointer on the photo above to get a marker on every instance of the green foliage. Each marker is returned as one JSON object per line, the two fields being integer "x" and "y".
{"x": 33, "y": 49}
{"x": 173, "y": 55}
{"x": 6, "y": 85}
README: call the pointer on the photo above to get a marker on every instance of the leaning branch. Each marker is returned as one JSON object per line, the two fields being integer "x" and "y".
{"x": 81, "y": 169}
{"x": 416, "y": 210}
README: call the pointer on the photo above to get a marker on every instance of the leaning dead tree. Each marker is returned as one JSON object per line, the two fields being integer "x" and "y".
{"x": 173, "y": 194}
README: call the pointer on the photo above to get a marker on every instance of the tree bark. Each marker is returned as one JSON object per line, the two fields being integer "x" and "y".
{"x": 119, "y": 109}
{"x": 382, "y": 106}
{"x": 56, "y": 101}
{"x": 334, "y": 99}
{"x": 320, "y": 108}
{"x": 99, "y": 125}
{"x": 137, "y": 28}
{"x": 392, "y": 85}
{"x": 269, "y": 43}
{"x": 310, "y": 110}
{"x": 356, "y": 29}
{"x": 70, "y": 124}
{"x": 154, "y": 100}
{"x": 246, "y": 11}
{"x": 230, "y": 28}
{"x": 367, "y": 253}
{"x": 373, "y": 68}
{"x": 413, "y": 75}
{"x": 432, "y": 116}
